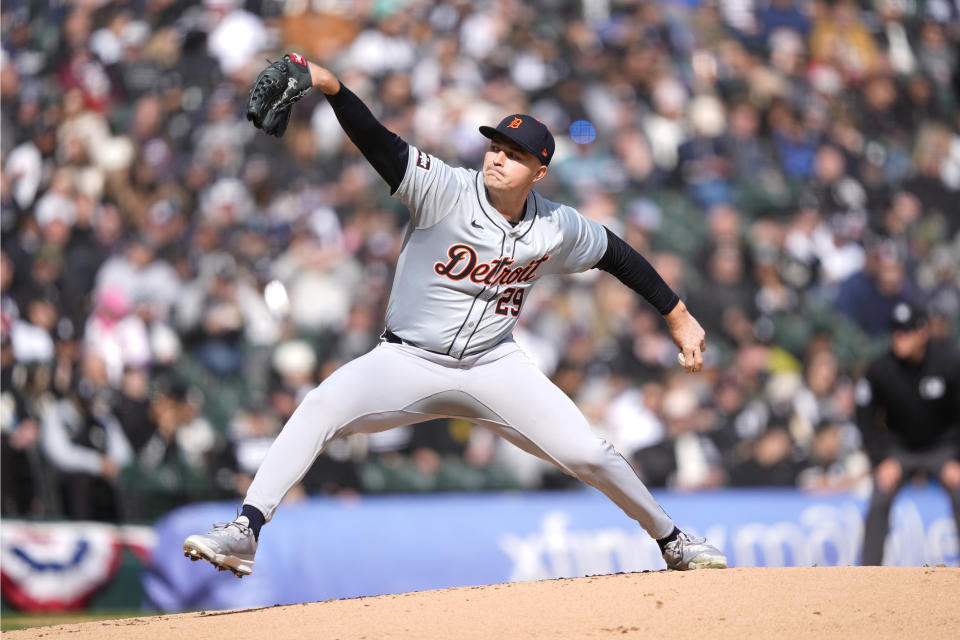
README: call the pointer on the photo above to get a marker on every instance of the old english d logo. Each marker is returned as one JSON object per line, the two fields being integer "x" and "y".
{"x": 516, "y": 123}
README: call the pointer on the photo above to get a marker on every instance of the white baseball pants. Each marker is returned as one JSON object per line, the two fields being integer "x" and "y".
{"x": 501, "y": 389}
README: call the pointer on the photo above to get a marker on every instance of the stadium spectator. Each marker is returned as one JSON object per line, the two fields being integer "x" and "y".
{"x": 869, "y": 296}
{"x": 687, "y": 459}
{"x": 86, "y": 446}
{"x": 769, "y": 463}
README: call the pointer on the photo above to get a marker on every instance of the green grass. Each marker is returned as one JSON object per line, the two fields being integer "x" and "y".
{"x": 11, "y": 621}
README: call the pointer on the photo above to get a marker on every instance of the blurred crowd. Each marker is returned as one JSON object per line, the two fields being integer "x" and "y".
{"x": 174, "y": 281}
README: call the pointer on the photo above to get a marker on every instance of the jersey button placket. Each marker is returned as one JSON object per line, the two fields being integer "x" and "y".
{"x": 464, "y": 338}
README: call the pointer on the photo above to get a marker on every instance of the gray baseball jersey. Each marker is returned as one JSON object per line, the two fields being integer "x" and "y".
{"x": 464, "y": 270}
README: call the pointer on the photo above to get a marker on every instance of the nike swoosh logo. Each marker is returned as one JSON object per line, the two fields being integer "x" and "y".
{"x": 476, "y": 224}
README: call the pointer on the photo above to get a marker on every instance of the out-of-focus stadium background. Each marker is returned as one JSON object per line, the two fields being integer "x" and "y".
{"x": 173, "y": 280}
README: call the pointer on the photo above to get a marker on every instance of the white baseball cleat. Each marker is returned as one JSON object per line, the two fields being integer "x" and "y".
{"x": 229, "y": 546}
{"x": 692, "y": 553}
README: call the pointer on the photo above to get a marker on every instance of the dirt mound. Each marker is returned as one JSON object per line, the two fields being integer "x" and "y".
{"x": 824, "y": 602}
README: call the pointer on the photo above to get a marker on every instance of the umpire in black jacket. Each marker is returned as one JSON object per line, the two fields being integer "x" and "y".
{"x": 908, "y": 409}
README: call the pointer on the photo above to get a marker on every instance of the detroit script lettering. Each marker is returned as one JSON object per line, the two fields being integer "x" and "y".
{"x": 463, "y": 263}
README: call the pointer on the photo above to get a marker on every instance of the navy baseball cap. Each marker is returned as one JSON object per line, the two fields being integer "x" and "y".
{"x": 907, "y": 317}
{"x": 526, "y": 131}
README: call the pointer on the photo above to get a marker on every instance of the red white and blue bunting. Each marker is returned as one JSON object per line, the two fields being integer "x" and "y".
{"x": 59, "y": 566}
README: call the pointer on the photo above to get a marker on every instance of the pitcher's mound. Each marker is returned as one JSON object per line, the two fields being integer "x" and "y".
{"x": 809, "y": 602}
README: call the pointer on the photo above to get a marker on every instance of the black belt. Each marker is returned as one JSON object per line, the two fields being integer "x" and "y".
{"x": 391, "y": 337}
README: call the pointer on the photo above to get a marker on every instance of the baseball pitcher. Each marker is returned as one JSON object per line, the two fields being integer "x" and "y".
{"x": 476, "y": 243}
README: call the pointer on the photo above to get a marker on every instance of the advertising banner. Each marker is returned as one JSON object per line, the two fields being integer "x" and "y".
{"x": 327, "y": 548}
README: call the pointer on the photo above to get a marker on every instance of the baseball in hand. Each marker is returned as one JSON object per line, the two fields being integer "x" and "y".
{"x": 681, "y": 360}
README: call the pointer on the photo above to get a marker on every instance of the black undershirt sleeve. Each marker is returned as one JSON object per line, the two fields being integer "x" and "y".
{"x": 633, "y": 270}
{"x": 383, "y": 149}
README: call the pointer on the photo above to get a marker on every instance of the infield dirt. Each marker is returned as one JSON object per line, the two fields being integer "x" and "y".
{"x": 806, "y": 602}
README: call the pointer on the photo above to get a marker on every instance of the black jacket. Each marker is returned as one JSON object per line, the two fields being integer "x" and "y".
{"x": 912, "y": 406}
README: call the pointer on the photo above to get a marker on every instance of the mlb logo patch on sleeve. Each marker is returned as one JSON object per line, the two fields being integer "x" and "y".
{"x": 423, "y": 160}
